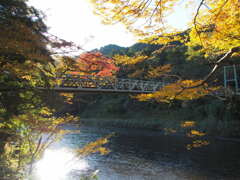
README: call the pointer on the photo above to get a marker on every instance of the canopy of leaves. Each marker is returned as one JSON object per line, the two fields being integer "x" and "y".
{"x": 23, "y": 52}
{"x": 214, "y": 25}
{"x": 213, "y": 31}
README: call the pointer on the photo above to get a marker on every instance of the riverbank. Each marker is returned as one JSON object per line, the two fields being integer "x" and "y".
{"x": 169, "y": 122}
{"x": 207, "y": 115}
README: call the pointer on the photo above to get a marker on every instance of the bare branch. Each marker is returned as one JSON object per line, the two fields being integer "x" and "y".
{"x": 218, "y": 64}
{"x": 195, "y": 20}
{"x": 155, "y": 9}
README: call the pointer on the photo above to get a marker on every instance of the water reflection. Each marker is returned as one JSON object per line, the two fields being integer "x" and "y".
{"x": 57, "y": 164}
{"x": 142, "y": 155}
{"x": 151, "y": 155}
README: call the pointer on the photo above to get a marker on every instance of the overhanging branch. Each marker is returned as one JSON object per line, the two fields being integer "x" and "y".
{"x": 218, "y": 64}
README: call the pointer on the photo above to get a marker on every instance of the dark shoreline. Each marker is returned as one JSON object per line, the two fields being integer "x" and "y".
{"x": 85, "y": 122}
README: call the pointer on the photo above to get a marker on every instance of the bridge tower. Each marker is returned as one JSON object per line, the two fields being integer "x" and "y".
{"x": 231, "y": 78}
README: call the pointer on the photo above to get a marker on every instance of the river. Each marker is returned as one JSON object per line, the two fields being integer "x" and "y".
{"x": 141, "y": 155}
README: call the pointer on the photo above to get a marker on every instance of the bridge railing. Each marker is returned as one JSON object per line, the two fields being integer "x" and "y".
{"x": 100, "y": 83}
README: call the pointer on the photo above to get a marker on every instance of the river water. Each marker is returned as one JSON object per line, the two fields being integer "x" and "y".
{"x": 140, "y": 155}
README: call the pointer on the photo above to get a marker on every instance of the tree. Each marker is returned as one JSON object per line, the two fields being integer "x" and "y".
{"x": 214, "y": 29}
{"x": 26, "y": 46}
{"x": 215, "y": 24}
{"x": 25, "y": 62}
{"x": 94, "y": 63}
{"x": 23, "y": 42}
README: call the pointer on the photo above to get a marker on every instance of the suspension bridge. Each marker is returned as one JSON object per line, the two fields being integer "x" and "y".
{"x": 88, "y": 83}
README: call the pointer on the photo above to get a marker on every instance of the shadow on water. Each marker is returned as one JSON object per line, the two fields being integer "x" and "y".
{"x": 141, "y": 154}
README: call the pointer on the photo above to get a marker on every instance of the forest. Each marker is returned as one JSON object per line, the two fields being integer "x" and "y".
{"x": 196, "y": 100}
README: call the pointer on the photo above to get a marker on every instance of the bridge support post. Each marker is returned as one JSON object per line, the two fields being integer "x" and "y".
{"x": 235, "y": 77}
{"x": 225, "y": 76}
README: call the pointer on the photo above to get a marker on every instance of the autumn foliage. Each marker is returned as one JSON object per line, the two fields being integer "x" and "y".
{"x": 213, "y": 30}
{"x": 94, "y": 63}
{"x": 180, "y": 90}
{"x": 214, "y": 24}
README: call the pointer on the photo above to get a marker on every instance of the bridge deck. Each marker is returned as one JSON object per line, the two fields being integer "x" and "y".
{"x": 94, "y": 90}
